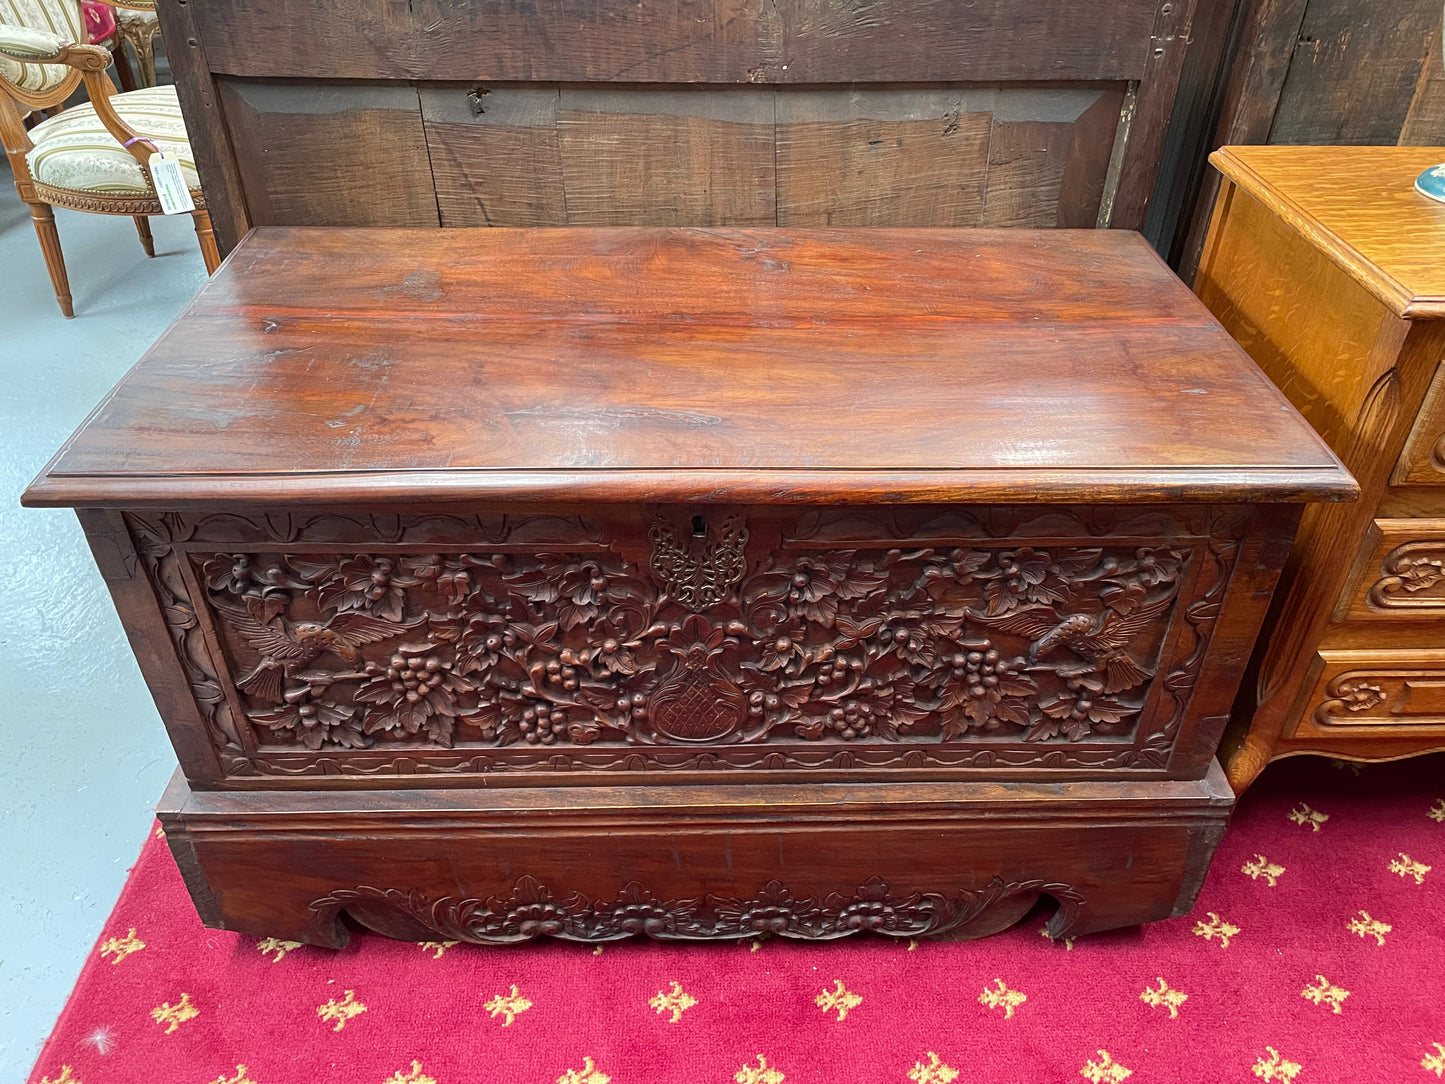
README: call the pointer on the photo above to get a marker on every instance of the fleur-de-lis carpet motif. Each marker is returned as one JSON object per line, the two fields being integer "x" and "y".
{"x": 1000, "y": 996}
{"x": 675, "y": 1001}
{"x": 276, "y": 949}
{"x": 507, "y": 1006}
{"x": 839, "y": 999}
{"x": 1366, "y": 926}
{"x": 1312, "y": 956}
{"x": 338, "y": 1012}
{"x": 118, "y": 948}
{"x": 1169, "y": 999}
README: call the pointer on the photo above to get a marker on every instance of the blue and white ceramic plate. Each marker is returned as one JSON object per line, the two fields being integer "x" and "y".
{"x": 1432, "y": 183}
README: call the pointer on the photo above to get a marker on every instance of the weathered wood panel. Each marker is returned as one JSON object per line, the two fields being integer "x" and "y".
{"x": 544, "y": 155}
{"x": 1025, "y": 167}
{"x": 500, "y": 167}
{"x": 717, "y": 41}
{"x": 1086, "y": 172}
{"x": 1128, "y": 205}
{"x": 1425, "y": 121}
{"x": 1036, "y": 138}
{"x": 1324, "y": 72}
{"x": 1354, "y": 71}
{"x": 667, "y": 157}
{"x": 206, "y": 123}
{"x": 886, "y": 156}
{"x": 330, "y": 155}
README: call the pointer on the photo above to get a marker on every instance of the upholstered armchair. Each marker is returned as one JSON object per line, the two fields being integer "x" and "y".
{"x": 137, "y": 26}
{"x": 93, "y": 157}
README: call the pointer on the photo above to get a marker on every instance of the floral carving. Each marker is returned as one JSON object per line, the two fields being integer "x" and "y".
{"x": 862, "y": 687}
{"x": 1411, "y": 576}
{"x": 933, "y": 645}
{"x": 1363, "y": 692}
{"x": 532, "y": 910}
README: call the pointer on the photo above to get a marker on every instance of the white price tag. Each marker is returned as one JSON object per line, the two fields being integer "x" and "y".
{"x": 170, "y": 185}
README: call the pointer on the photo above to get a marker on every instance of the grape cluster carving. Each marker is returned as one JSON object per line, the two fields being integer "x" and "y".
{"x": 1041, "y": 644}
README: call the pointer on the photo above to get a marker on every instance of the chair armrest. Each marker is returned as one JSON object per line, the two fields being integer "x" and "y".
{"x": 40, "y": 47}
{"x": 22, "y": 43}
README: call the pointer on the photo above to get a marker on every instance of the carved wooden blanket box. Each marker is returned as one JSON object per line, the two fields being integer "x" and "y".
{"x": 693, "y": 583}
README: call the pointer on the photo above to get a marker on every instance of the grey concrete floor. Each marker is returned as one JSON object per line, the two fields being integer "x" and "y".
{"x": 83, "y": 756}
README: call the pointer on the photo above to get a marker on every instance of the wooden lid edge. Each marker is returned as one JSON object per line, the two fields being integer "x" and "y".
{"x": 1269, "y": 485}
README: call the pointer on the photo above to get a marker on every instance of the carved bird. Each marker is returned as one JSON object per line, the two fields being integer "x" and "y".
{"x": 288, "y": 646}
{"x": 1102, "y": 641}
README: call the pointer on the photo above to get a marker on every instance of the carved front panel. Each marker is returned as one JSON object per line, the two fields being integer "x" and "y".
{"x": 1375, "y": 693}
{"x": 664, "y": 640}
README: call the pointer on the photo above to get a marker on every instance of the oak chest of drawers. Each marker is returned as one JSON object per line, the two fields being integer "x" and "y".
{"x": 1327, "y": 266}
{"x": 695, "y": 583}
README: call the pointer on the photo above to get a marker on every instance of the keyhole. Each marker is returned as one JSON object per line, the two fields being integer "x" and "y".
{"x": 699, "y": 527}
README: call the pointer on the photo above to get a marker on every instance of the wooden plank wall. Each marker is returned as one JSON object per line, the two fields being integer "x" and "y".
{"x": 307, "y": 154}
{"x": 858, "y": 112}
{"x": 1354, "y": 72}
{"x": 1322, "y": 72}
{"x": 798, "y": 42}
{"x": 940, "y": 155}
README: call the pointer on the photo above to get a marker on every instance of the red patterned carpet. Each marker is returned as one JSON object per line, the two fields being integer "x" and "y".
{"x": 1316, "y": 953}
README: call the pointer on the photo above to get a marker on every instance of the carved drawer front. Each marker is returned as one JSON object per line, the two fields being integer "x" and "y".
{"x": 1377, "y": 693}
{"x": 1400, "y": 574}
{"x": 559, "y": 646}
{"x": 1422, "y": 462}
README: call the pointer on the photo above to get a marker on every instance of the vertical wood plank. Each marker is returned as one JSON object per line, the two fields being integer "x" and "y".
{"x": 1256, "y": 67}
{"x": 1153, "y": 108}
{"x": 1258, "y": 70}
{"x": 1087, "y": 165}
{"x": 1425, "y": 122}
{"x": 1186, "y": 149}
{"x": 647, "y": 156}
{"x": 333, "y": 155}
{"x": 1354, "y": 71}
{"x": 1033, "y": 137}
{"x": 206, "y": 124}
{"x": 882, "y": 156}
{"x": 502, "y": 167}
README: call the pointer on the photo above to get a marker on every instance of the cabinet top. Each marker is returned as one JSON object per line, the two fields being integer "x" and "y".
{"x": 1357, "y": 205}
{"x": 349, "y": 366}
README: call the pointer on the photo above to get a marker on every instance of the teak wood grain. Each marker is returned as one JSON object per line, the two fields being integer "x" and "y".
{"x": 693, "y": 365}
{"x": 496, "y": 584}
{"x": 695, "y": 863}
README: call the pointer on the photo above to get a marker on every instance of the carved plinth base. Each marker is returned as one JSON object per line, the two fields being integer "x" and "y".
{"x": 957, "y": 860}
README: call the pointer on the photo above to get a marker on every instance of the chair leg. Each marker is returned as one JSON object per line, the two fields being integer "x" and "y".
{"x": 44, "y": 219}
{"x": 145, "y": 55}
{"x": 143, "y": 227}
{"x": 209, "y": 252}
{"x": 123, "y": 70}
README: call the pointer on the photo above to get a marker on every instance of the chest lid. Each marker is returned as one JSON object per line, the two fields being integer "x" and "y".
{"x": 345, "y": 366}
